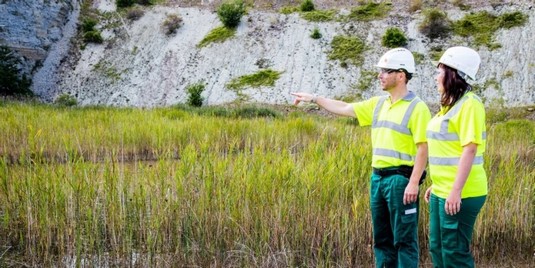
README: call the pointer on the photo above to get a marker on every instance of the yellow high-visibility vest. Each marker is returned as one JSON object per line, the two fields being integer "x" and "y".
{"x": 396, "y": 128}
{"x": 447, "y": 133}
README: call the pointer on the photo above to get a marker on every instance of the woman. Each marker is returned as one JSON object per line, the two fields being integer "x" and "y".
{"x": 456, "y": 139}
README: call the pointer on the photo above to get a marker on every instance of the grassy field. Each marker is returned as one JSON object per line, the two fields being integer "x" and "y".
{"x": 209, "y": 187}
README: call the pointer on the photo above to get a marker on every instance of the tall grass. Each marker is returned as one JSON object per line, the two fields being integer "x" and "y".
{"x": 169, "y": 187}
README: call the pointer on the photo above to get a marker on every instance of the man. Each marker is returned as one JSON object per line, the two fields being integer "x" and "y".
{"x": 398, "y": 124}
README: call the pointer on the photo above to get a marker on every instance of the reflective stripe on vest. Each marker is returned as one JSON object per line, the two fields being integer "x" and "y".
{"x": 444, "y": 135}
{"x": 452, "y": 161}
{"x": 392, "y": 153}
{"x": 401, "y": 128}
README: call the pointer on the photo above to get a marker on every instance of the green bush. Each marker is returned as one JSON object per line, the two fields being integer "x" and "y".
{"x": 265, "y": 77}
{"x": 418, "y": 57}
{"x": 370, "y": 11}
{"x": 435, "y": 24}
{"x": 315, "y": 34}
{"x": 347, "y": 49}
{"x": 66, "y": 100}
{"x": 318, "y": 15}
{"x": 89, "y": 25}
{"x": 11, "y": 81}
{"x": 288, "y": 10}
{"x": 230, "y": 12}
{"x": 219, "y": 35}
{"x": 135, "y": 14}
{"x": 307, "y": 6}
{"x": 93, "y": 37}
{"x": 510, "y": 20}
{"x": 171, "y": 24}
{"x": 394, "y": 37}
{"x": 145, "y": 2}
{"x": 124, "y": 3}
{"x": 194, "y": 94}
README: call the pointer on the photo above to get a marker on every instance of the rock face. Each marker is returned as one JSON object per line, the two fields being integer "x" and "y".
{"x": 33, "y": 28}
{"x": 138, "y": 65}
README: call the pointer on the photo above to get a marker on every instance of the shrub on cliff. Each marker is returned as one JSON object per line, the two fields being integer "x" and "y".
{"x": 394, "y": 37}
{"x": 435, "y": 24}
{"x": 171, "y": 24}
{"x": 230, "y": 13}
{"x": 194, "y": 94}
{"x": 12, "y": 82}
{"x": 307, "y": 6}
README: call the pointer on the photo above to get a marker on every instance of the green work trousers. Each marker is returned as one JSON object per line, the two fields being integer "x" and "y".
{"x": 450, "y": 236}
{"x": 395, "y": 225}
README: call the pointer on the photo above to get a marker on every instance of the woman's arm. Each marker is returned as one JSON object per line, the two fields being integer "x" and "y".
{"x": 453, "y": 202}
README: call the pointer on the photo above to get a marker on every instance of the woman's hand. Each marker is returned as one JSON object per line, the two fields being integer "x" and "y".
{"x": 453, "y": 203}
{"x": 427, "y": 195}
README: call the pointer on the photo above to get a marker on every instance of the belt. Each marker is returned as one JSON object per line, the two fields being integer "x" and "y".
{"x": 404, "y": 171}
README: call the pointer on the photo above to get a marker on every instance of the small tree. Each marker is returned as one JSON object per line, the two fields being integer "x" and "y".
{"x": 230, "y": 13}
{"x": 124, "y": 3}
{"x": 66, "y": 100}
{"x": 435, "y": 24}
{"x": 171, "y": 24}
{"x": 394, "y": 37}
{"x": 11, "y": 81}
{"x": 194, "y": 98}
{"x": 315, "y": 34}
{"x": 307, "y": 6}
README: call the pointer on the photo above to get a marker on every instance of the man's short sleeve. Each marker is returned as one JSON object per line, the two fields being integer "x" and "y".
{"x": 418, "y": 123}
{"x": 364, "y": 110}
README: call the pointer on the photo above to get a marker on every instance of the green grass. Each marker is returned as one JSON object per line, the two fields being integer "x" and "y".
{"x": 482, "y": 25}
{"x": 347, "y": 49}
{"x": 217, "y": 35}
{"x": 176, "y": 187}
{"x": 261, "y": 78}
{"x": 288, "y": 9}
{"x": 370, "y": 11}
{"x": 319, "y": 15}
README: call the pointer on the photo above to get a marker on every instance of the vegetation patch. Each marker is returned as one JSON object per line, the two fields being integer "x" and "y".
{"x": 289, "y": 9}
{"x": 217, "y": 35}
{"x": 418, "y": 57}
{"x": 347, "y": 49}
{"x": 370, "y": 11}
{"x": 154, "y": 182}
{"x": 129, "y": 3}
{"x": 315, "y": 34}
{"x": 435, "y": 53}
{"x": 65, "y": 100}
{"x": 171, "y": 24}
{"x": 89, "y": 33}
{"x": 366, "y": 79}
{"x": 415, "y": 5}
{"x": 481, "y": 26}
{"x": 319, "y": 15}
{"x": 135, "y": 14}
{"x": 394, "y": 37}
{"x": 230, "y": 12}
{"x": 231, "y": 112}
{"x": 262, "y": 78}
{"x": 106, "y": 68}
{"x": 307, "y": 6}
{"x": 194, "y": 94}
{"x": 12, "y": 81}
{"x": 435, "y": 24}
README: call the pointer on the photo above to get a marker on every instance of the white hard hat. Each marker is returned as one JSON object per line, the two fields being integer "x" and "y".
{"x": 463, "y": 59}
{"x": 397, "y": 58}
